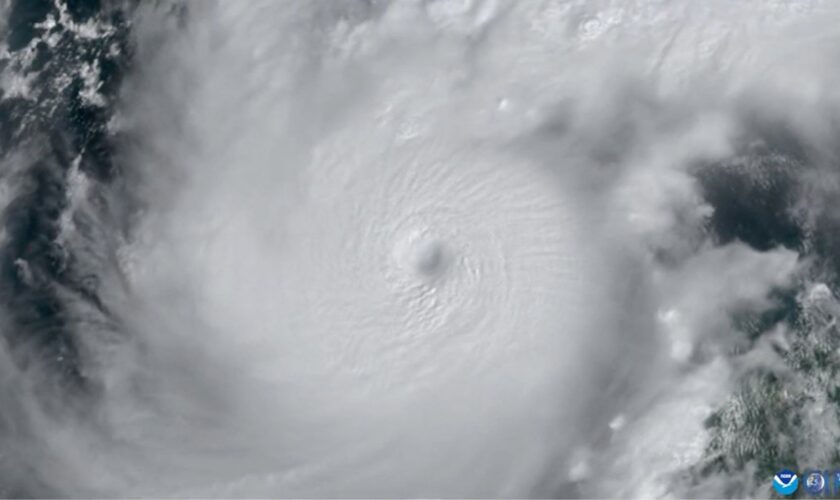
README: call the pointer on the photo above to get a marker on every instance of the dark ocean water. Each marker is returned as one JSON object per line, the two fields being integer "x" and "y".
{"x": 47, "y": 133}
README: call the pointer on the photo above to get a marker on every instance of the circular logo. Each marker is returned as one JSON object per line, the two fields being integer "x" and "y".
{"x": 814, "y": 482}
{"x": 785, "y": 482}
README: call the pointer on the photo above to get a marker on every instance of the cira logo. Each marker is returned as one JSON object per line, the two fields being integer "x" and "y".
{"x": 814, "y": 482}
{"x": 785, "y": 482}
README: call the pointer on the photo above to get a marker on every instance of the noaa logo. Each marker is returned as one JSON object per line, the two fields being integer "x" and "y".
{"x": 814, "y": 482}
{"x": 785, "y": 482}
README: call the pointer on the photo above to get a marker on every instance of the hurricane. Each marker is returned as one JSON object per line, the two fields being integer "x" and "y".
{"x": 417, "y": 248}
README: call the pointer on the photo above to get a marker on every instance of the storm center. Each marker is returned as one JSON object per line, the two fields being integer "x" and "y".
{"x": 423, "y": 254}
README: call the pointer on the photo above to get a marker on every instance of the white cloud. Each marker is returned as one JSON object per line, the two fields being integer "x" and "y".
{"x": 291, "y": 157}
